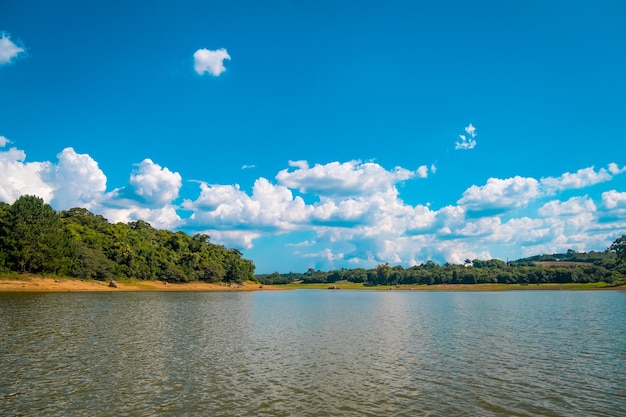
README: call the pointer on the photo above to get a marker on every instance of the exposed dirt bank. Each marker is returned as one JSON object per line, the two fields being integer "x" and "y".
{"x": 42, "y": 284}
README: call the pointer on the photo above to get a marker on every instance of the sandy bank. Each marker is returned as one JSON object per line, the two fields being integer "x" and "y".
{"x": 40, "y": 284}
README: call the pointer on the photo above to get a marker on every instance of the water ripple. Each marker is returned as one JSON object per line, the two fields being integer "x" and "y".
{"x": 313, "y": 353}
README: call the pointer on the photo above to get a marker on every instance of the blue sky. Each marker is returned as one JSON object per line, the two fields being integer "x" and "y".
{"x": 328, "y": 134}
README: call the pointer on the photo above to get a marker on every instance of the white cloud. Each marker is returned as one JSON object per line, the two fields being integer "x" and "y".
{"x": 238, "y": 238}
{"x": 570, "y": 224}
{"x": 614, "y": 209}
{"x": 344, "y": 179}
{"x": 19, "y": 178}
{"x": 4, "y": 141}
{"x": 573, "y": 206}
{"x": 299, "y": 164}
{"x": 615, "y": 169}
{"x": 422, "y": 172}
{"x": 500, "y": 194}
{"x": 270, "y": 206}
{"x": 8, "y": 49}
{"x": 614, "y": 200}
{"x": 520, "y": 231}
{"x": 582, "y": 178}
{"x": 448, "y": 218}
{"x": 483, "y": 226}
{"x": 159, "y": 217}
{"x": 510, "y": 193}
{"x": 209, "y": 61}
{"x": 301, "y": 244}
{"x": 340, "y": 215}
{"x": 77, "y": 180}
{"x": 467, "y": 141}
{"x": 156, "y": 185}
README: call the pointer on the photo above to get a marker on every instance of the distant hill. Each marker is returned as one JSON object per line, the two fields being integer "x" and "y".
{"x": 597, "y": 258}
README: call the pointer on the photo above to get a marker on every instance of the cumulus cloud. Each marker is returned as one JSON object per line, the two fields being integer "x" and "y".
{"x": 209, "y": 61}
{"x": 573, "y": 206}
{"x": 269, "y": 207}
{"x": 18, "y": 177}
{"x": 155, "y": 184}
{"x": 359, "y": 218}
{"x": 570, "y": 223}
{"x": 8, "y": 49}
{"x": 467, "y": 141}
{"x": 3, "y": 141}
{"x": 615, "y": 169}
{"x": 124, "y": 211}
{"x": 356, "y": 201}
{"x": 520, "y": 231}
{"x": 614, "y": 199}
{"x": 77, "y": 180}
{"x": 500, "y": 194}
{"x": 150, "y": 195}
{"x": 238, "y": 238}
{"x": 511, "y": 193}
{"x": 344, "y": 179}
{"x": 582, "y": 178}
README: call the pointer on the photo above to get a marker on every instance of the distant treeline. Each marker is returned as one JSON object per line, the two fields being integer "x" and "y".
{"x": 37, "y": 239}
{"x": 571, "y": 267}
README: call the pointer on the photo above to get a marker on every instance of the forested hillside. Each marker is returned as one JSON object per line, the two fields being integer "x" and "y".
{"x": 35, "y": 238}
{"x": 571, "y": 267}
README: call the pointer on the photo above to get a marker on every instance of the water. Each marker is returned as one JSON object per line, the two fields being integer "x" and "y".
{"x": 314, "y": 353}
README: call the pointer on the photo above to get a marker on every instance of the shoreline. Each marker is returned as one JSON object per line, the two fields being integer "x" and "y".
{"x": 44, "y": 284}
{"x": 593, "y": 286}
{"x": 32, "y": 283}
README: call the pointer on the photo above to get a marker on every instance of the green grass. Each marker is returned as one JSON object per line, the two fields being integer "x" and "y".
{"x": 344, "y": 285}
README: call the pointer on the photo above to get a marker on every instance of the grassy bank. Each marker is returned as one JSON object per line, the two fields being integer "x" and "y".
{"x": 344, "y": 285}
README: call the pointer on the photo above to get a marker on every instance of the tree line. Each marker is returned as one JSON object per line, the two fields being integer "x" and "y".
{"x": 571, "y": 267}
{"x": 35, "y": 238}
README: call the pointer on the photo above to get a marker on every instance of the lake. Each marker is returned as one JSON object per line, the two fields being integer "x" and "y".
{"x": 313, "y": 353}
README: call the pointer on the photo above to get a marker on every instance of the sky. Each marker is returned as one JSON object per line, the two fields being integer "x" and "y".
{"x": 325, "y": 134}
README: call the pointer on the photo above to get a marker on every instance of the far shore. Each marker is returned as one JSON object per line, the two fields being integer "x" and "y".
{"x": 33, "y": 283}
{"x": 343, "y": 285}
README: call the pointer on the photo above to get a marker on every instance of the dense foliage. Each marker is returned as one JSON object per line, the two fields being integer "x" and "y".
{"x": 35, "y": 238}
{"x": 571, "y": 267}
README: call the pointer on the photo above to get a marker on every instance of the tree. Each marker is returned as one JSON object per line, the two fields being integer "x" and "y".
{"x": 4, "y": 209}
{"x": 380, "y": 276}
{"x": 35, "y": 238}
{"x": 619, "y": 247}
{"x": 238, "y": 269}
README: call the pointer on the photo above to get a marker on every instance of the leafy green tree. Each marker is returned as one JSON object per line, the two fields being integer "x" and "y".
{"x": 237, "y": 268}
{"x": 93, "y": 263}
{"x": 356, "y": 275}
{"x": 619, "y": 247}
{"x": 4, "y": 209}
{"x": 380, "y": 276}
{"x": 35, "y": 238}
